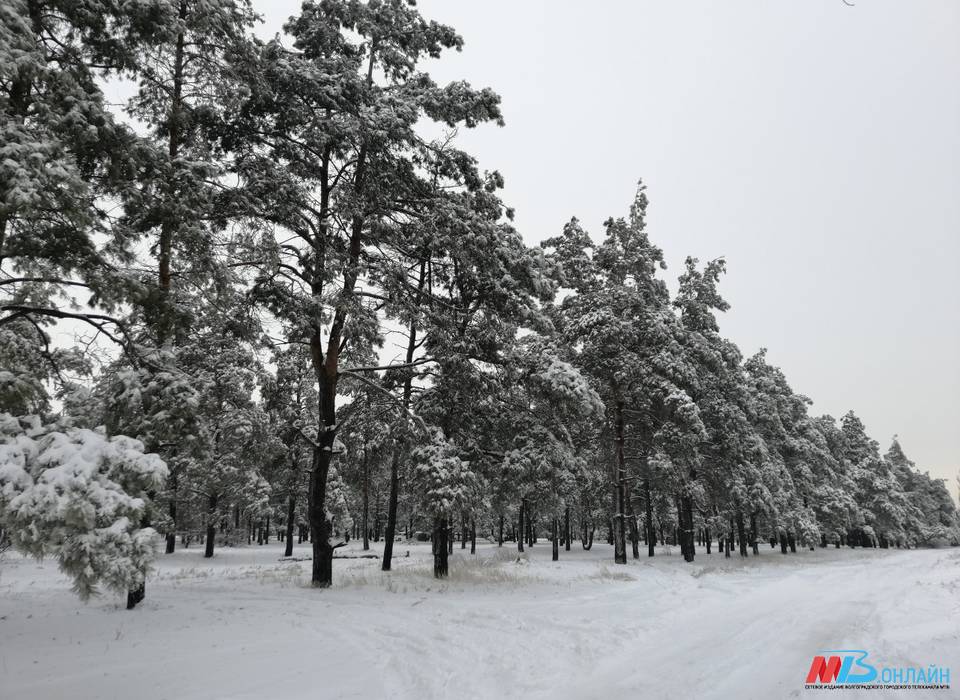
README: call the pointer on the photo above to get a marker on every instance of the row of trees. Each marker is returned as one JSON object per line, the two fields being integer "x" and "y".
{"x": 317, "y": 308}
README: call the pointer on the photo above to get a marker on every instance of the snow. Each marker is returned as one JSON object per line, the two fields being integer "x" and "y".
{"x": 247, "y": 625}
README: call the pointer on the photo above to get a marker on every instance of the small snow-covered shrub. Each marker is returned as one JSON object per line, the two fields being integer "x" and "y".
{"x": 79, "y": 496}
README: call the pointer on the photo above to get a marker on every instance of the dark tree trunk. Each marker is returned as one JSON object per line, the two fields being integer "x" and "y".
{"x": 500, "y": 534}
{"x": 463, "y": 531}
{"x": 783, "y": 542}
{"x": 451, "y": 536}
{"x": 586, "y": 539}
{"x": 211, "y": 531}
{"x": 634, "y": 532}
{"x": 440, "y": 547}
{"x": 365, "y": 487}
{"x": 556, "y": 535}
{"x": 291, "y": 517}
{"x": 706, "y": 537}
{"x": 391, "y": 533}
{"x": 792, "y": 542}
{"x": 651, "y": 535}
{"x": 753, "y": 534}
{"x": 398, "y": 446}
{"x": 135, "y": 596}
{"x": 322, "y": 571}
{"x": 682, "y": 541}
{"x": 473, "y": 536}
{"x": 523, "y": 503}
{"x": 566, "y": 528}
{"x": 686, "y": 528}
{"x": 620, "y": 496}
{"x": 741, "y": 534}
{"x": 266, "y": 531}
{"x": 172, "y": 534}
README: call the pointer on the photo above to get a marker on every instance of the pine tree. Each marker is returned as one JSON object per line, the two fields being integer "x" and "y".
{"x": 79, "y": 496}
{"x": 629, "y": 345}
{"x": 329, "y": 159}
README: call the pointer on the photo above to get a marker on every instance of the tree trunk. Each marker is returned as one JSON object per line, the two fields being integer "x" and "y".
{"x": 792, "y": 542}
{"x": 500, "y": 535}
{"x": 473, "y": 536}
{"x": 566, "y": 528}
{"x": 651, "y": 535}
{"x": 707, "y": 539}
{"x": 741, "y": 534}
{"x": 682, "y": 541}
{"x": 211, "y": 531}
{"x": 586, "y": 540}
{"x": 619, "y": 531}
{"x": 753, "y": 534}
{"x": 783, "y": 542}
{"x": 291, "y": 516}
{"x": 322, "y": 571}
{"x": 523, "y": 503}
{"x": 686, "y": 528}
{"x": 391, "y": 533}
{"x": 365, "y": 486}
{"x": 463, "y": 531}
{"x": 135, "y": 596}
{"x": 172, "y": 534}
{"x": 440, "y": 550}
{"x": 556, "y": 536}
{"x": 634, "y": 531}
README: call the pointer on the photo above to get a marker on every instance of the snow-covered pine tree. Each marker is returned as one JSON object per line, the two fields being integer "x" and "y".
{"x": 931, "y": 515}
{"x": 331, "y": 146}
{"x": 627, "y": 340}
{"x": 78, "y": 496}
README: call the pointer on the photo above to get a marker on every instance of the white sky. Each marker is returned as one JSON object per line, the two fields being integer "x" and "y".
{"x": 814, "y": 145}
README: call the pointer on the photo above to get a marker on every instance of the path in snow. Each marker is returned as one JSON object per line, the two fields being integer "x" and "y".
{"x": 245, "y": 625}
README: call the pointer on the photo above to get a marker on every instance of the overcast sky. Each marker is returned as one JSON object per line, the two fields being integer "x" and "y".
{"x": 814, "y": 145}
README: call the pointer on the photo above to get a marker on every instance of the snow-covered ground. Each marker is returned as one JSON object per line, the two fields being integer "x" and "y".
{"x": 246, "y": 625}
